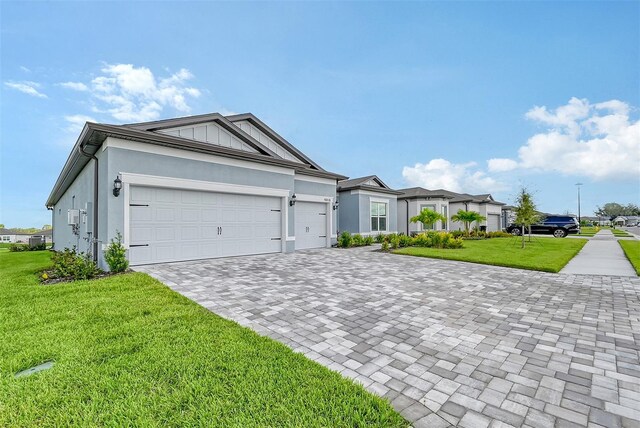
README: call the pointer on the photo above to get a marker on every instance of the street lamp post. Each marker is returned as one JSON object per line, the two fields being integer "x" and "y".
{"x": 578, "y": 185}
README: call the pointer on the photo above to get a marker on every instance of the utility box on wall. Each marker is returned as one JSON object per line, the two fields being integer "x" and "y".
{"x": 73, "y": 217}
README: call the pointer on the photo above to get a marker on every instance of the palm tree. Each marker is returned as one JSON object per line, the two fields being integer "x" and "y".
{"x": 467, "y": 217}
{"x": 427, "y": 217}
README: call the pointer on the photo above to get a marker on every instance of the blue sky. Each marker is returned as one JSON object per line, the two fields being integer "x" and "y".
{"x": 472, "y": 96}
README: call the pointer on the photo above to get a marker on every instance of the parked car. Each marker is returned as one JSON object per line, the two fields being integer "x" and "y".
{"x": 556, "y": 225}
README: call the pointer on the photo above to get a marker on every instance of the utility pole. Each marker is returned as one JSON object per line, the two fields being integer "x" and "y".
{"x": 579, "y": 184}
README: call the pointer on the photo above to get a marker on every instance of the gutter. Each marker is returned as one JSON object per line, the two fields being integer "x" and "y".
{"x": 407, "y": 201}
{"x": 94, "y": 234}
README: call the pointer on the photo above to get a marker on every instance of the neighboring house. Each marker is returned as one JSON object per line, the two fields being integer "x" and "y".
{"x": 8, "y": 236}
{"x": 413, "y": 200}
{"x": 12, "y": 236}
{"x": 367, "y": 206}
{"x": 508, "y": 215}
{"x": 192, "y": 188}
{"x": 447, "y": 203}
{"x": 626, "y": 220}
{"x": 47, "y": 234}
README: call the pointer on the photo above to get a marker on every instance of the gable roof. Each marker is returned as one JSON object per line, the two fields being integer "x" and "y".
{"x": 94, "y": 134}
{"x": 361, "y": 183}
{"x": 249, "y": 117}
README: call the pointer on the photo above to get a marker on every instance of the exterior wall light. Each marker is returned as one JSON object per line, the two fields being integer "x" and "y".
{"x": 117, "y": 186}
{"x": 292, "y": 200}
{"x": 335, "y": 205}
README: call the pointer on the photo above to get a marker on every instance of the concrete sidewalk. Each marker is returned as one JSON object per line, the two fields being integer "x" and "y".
{"x": 601, "y": 256}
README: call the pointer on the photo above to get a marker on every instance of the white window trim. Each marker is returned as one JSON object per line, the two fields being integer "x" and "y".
{"x": 132, "y": 179}
{"x": 386, "y": 216}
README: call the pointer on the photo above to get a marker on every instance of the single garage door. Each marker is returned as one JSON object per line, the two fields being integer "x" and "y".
{"x": 311, "y": 225}
{"x": 168, "y": 225}
{"x": 493, "y": 222}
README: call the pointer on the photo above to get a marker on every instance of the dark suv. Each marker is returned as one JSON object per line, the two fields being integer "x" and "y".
{"x": 556, "y": 225}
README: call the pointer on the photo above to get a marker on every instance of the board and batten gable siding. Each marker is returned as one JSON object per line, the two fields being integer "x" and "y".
{"x": 265, "y": 140}
{"x": 209, "y": 132}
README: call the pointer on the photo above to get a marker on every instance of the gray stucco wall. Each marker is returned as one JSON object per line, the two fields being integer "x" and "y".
{"x": 348, "y": 212}
{"x": 80, "y": 196}
{"x": 355, "y": 212}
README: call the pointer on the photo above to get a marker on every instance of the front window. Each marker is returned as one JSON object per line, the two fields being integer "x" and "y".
{"x": 445, "y": 214}
{"x": 378, "y": 217}
{"x": 6, "y": 238}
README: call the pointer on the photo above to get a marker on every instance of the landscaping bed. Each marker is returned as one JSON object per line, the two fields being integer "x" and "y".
{"x": 541, "y": 254}
{"x": 632, "y": 251}
{"x": 128, "y": 351}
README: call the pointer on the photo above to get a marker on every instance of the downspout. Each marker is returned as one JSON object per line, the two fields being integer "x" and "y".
{"x": 95, "y": 202}
{"x": 407, "y": 201}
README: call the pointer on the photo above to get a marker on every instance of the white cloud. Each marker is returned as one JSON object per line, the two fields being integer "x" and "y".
{"x": 77, "y": 121}
{"x": 130, "y": 93}
{"x": 76, "y": 86}
{"x": 442, "y": 174}
{"x": 599, "y": 141}
{"x": 25, "y": 69}
{"x": 501, "y": 165}
{"x": 27, "y": 87}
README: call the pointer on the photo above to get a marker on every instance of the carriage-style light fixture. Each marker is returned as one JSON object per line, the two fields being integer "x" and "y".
{"x": 117, "y": 186}
{"x": 335, "y": 205}
{"x": 292, "y": 200}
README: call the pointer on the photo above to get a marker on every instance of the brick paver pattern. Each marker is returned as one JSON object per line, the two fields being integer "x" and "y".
{"x": 447, "y": 343}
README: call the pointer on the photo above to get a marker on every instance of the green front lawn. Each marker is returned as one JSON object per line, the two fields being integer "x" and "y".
{"x": 632, "y": 250}
{"x": 129, "y": 351}
{"x": 588, "y": 231}
{"x": 620, "y": 233}
{"x": 543, "y": 254}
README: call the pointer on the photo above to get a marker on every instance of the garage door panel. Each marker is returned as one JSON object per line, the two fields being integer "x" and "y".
{"x": 140, "y": 214}
{"x": 165, "y": 233}
{"x": 164, "y": 214}
{"x": 186, "y": 225}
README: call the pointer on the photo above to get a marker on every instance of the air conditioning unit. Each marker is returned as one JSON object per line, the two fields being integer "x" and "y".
{"x": 73, "y": 217}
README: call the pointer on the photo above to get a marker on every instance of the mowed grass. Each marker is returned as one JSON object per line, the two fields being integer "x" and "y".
{"x": 632, "y": 251}
{"x": 129, "y": 351}
{"x": 620, "y": 233}
{"x": 543, "y": 254}
{"x": 588, "y": 231}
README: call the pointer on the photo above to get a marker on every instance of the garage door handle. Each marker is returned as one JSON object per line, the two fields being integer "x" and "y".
{"x": 138, "y": 245}
{"x": 138, "y": 205}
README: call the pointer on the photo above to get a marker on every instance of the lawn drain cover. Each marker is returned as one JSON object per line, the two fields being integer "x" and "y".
{"x": 40, "y": 367}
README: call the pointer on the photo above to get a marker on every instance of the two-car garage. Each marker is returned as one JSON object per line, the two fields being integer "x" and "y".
{"x": 174, "y": 224}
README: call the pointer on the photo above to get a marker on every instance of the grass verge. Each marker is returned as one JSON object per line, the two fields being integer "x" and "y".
{"x": 129, "y": 351}
{"x": 632, "y": 251}
{"x": 542, "y": 254}
{"x": 620, "y": 233}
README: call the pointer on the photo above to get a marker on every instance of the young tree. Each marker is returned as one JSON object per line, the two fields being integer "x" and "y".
{"x": 526, "y": 213}
{"x": 467, "y": 217}
{"x": 428, "y": 218}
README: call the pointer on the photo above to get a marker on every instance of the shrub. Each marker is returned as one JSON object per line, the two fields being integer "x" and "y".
{"x": 368, "y": 240}
{"x": 385, "y": 245}
{"x": 457, "y": 233}
{"x": 437, "y": 240}
{"x": 17, "y": 248}
{"x": 394, "y": 241}
{"x": 115, "y": 255}
{"x": 422, "y": 240}
{"x": 358, "y": 240}
{"x": 405, "y": 241}
{"x": 379, "y": 238}
{"x": 345, "y": 240}
{"x": 69, "y": 264}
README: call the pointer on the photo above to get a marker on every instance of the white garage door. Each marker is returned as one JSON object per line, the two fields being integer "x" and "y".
{"x": 169, "y": 225}
{"x": 493, "y": 223}
{"x": 311, "y": 225}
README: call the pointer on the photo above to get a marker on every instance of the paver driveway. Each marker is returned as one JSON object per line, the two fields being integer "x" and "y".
{"x": 448, "y": 343}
